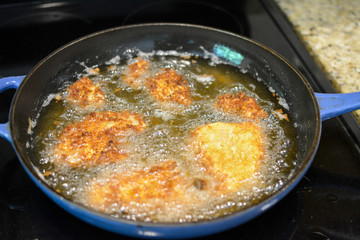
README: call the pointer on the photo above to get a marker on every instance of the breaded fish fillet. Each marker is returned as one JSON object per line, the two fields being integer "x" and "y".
{"x": 153, "y": 190}
{"x": 240, "y": 104}
{"x": 135, "y": 71}
{"x": 229, "y": 151}
{"x": 98, "y": 139}
{"x": 169, "y": 87}
{"x": 84, "y": 93}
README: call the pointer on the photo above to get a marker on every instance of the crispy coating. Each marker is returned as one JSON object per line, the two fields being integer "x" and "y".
{"x": 133, "y": 191}
{"x": 84, "y": 93}
{"x": 135, "y": 71}
{"x": 98, "y": 139}
{"x": 169, "y": 87}
{"x": 241, "y": 105}
{"x": 229, "y": 151}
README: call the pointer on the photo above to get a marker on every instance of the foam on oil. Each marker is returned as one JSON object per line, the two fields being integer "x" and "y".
{"x": 166, "y": 137}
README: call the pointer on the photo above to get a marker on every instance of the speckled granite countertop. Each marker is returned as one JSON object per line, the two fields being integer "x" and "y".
{"x": 330, "y": 30}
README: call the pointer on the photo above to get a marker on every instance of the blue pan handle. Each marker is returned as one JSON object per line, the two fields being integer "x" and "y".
{"x": 335, "y": 104}
{"x": 5, "y": 84}
{"x": 331, "y": 104}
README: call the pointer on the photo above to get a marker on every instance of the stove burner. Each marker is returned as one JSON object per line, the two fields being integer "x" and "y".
{"x": 37, "y": 34}
{"x": 42, "y": 18}
{"x": 203, "y": 13}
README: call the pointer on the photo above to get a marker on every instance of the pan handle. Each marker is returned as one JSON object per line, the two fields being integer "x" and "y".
{"x": 5, "y": 84}
{"x": 335, "y": 104}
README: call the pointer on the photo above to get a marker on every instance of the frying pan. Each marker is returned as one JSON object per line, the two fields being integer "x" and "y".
{"x": 307, "y": 109}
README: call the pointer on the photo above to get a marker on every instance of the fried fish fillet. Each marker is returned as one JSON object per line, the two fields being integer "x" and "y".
{"x": 240, "y": 104}
{"x": 153, "y": 190}
{"x": 84, "y": 93}
{"x": 135, "y": 71}
{"x": 168, "y": 86}
{"x": 231, "y": 152}
{"x": 98, "y": 139}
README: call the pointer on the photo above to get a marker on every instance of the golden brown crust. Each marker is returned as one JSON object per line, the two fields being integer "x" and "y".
{"x": 229, "y": 151}
{"x": 84, "y": 93}
{"x": 241, "y": 105}
{"x": 135, "y": 71}
{"x": 98, "y": 139}
{"x": 169, "y": 87}
{"x": 154, "y": 187}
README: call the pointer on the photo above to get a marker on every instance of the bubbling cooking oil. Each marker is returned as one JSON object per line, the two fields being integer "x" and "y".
{"x": 167, "y": 136}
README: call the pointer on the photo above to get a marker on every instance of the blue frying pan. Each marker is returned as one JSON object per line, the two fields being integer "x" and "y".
{"x": 306, "y": 108}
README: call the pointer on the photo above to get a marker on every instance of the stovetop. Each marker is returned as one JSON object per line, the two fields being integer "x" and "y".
{"x": 324, "y": 205}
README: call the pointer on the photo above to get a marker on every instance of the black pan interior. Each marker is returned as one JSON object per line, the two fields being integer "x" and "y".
{"x": 65, "y": 64}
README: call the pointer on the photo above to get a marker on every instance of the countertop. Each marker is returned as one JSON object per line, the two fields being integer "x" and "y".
{"x": 330, "y": 30}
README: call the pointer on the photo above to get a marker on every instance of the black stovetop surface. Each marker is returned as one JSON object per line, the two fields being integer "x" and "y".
{"x": 324, "y": 205}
